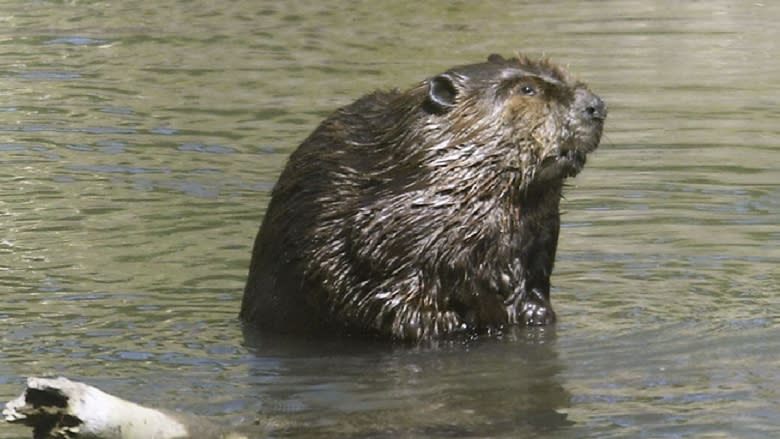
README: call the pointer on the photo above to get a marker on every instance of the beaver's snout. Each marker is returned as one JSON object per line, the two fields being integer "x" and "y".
{"x": 593, "y": 107}
{"x": 597, "y": 109}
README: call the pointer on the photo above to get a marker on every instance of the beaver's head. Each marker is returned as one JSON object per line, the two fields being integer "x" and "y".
{"x": 517, "y": 115}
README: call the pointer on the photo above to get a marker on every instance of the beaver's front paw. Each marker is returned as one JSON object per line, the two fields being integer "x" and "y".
{"x": 534, "y": 313}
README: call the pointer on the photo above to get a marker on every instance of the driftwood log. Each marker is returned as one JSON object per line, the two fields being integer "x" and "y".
{"x": 63, "y": 409}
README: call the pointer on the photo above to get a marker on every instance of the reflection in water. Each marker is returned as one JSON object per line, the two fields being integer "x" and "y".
{"x": 356, "y": 388}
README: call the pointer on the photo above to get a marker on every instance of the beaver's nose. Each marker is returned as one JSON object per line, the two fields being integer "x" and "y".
{"x": 595, "y": 108}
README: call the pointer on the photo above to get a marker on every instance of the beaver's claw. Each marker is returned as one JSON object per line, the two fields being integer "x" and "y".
{"x": 536, "y": 310}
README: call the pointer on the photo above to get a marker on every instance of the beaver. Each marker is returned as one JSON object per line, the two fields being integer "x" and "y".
{"x": 429, "y": 212}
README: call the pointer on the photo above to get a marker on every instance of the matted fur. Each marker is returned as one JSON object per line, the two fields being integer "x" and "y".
{"x": 427, "y": 212}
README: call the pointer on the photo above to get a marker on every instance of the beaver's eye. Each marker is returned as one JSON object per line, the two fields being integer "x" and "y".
{"x": 527, "y": 90}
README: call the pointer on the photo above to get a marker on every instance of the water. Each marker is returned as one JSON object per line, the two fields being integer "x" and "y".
{"x": 139, "y": 142}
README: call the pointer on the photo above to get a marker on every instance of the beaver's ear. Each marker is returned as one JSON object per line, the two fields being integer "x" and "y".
{"x": 442, "y": 91}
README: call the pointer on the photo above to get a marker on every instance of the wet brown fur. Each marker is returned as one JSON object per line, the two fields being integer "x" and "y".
{"x": 427, "y": 212}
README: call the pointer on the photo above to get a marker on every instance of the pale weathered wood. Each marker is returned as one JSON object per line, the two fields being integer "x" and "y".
{"x": 60, "y": 408}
